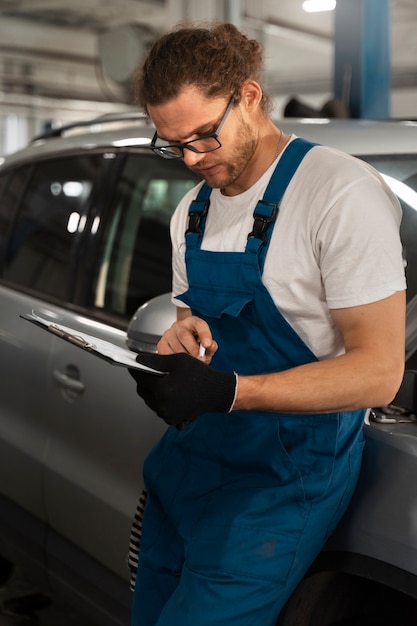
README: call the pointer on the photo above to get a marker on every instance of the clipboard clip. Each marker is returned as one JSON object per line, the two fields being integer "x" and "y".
{"x": 75, "y": 339}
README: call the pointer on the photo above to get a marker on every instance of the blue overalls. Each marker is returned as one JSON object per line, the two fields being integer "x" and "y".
{"x": 240, "y": 504}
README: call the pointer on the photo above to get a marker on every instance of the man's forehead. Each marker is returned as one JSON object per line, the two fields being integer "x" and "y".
{"x": 188, "y": 114}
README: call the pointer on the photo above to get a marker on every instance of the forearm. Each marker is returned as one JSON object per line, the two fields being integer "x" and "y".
{"x": 345, "y": 383}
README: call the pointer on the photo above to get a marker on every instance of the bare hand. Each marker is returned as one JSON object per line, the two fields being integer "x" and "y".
{"x": 186, "y": 335}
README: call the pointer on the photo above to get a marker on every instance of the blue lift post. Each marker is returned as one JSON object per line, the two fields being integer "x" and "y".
{"x": 362, "y": 69}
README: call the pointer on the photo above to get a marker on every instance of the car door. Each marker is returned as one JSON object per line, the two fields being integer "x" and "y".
{"x": 37, "y": 247}
{"x": 101, "y": 429}
{"x": 21, "y": 448}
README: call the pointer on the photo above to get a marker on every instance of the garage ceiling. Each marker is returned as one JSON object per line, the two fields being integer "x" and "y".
{"x": 52, "y": 47}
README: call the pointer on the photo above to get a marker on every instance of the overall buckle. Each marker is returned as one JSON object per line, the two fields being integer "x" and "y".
{"x": 263, "y": 216}
{"x": 196, "y": 215}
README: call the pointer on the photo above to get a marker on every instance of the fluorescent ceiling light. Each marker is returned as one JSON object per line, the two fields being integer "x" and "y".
{"x": 315, "y": 6}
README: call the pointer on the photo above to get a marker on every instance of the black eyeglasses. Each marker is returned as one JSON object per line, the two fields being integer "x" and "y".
{"x": 206, "y": 143}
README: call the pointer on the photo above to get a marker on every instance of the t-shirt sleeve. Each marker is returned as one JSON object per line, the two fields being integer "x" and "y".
{"x": 359, "y": 246}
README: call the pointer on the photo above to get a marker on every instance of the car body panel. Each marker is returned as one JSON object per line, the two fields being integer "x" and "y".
{"x": 381, "y": 521}
{"x": 23, "y": 442}
{"x": 99, "y": 439}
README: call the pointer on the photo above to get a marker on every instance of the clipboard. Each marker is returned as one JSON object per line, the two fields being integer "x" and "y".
{"x": 106, "y": 350}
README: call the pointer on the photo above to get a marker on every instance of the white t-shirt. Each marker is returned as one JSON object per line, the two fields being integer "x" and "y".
{"x": 335, "y": 243}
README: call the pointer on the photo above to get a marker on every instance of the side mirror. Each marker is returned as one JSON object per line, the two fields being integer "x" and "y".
{"x": 150, "y": 322}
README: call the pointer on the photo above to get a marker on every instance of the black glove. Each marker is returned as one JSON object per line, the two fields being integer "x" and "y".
{"x": 188, "y": 389}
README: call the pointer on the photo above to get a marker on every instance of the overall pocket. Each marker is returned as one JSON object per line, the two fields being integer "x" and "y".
{"x": 311, "y": 442}
{"x": 215, "y": 301}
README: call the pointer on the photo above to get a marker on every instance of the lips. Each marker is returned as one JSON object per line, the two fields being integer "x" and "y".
{"x": 207, "y": 171}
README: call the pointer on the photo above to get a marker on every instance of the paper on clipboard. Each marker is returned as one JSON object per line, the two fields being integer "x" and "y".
{"x": 106, "y": 350}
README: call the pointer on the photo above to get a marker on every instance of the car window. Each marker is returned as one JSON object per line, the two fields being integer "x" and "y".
{"x": 400, "y": 172}
{"x": 134, "y": 262}
{"x": 52, "y": 215}
{"x": 11, "y": 186}
{"x": 5, "y": 212}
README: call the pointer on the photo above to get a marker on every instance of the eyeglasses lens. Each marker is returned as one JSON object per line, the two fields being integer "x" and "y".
{"x": 204, "y": 144}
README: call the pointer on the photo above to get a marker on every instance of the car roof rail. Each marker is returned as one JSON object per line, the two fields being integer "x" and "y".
{"x": 107, "y": 118}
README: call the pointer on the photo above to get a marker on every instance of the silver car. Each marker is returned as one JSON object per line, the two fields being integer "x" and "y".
{"x": 84, "y": 241}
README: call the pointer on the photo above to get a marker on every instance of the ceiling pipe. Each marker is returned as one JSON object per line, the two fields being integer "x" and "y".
{"x": 233, "y": 12}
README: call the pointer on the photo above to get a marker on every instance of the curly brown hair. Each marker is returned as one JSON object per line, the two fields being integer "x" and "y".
{"x": 216, "y": 59}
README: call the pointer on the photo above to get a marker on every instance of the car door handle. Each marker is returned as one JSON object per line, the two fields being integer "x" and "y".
{"x": 69, "y": 381}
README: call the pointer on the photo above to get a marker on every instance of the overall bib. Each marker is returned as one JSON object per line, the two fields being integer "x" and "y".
{"x": 240, "y": 504}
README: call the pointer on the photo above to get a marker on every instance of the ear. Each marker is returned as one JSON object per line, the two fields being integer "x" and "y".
{"x": 250, "y": 95}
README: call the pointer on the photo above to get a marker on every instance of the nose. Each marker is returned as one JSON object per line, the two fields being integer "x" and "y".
{"x": 192, "y": 158}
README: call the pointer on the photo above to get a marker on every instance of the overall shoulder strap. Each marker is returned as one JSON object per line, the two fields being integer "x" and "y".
{"x": 266, "y": 210}
{"x": 286, "y": 168}
{"x": 197, "y": 214}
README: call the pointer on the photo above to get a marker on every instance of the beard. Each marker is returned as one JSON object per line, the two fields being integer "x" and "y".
{"x": 236, "y": 164}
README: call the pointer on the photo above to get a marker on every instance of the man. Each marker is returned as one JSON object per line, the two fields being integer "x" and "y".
{"x": 289, "y": 283}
